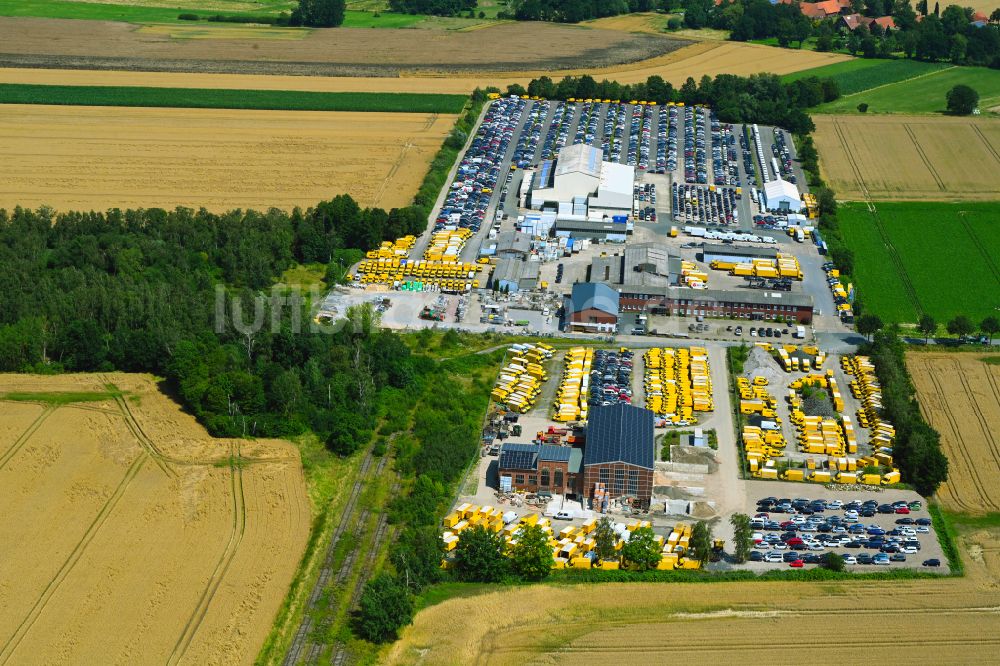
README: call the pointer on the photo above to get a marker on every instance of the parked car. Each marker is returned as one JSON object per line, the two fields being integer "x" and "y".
{"x": 933, "y": 562}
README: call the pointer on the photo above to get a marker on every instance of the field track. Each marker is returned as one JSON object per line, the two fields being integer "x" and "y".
{"x": 960, "y": 396}
{"x": 85, "y": 598}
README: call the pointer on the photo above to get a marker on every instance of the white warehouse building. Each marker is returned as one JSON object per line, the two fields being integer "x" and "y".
{"x": 782, "y": 195}
{"x": 582, "y": 185}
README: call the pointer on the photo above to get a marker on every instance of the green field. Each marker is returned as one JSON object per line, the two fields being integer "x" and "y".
{"x": 948, "y": 253}
{"x": 205, "y": 98}
{"x": 857, "y": 75}
{"x": 159, "y": 14}
{"x": 922, "y": 93}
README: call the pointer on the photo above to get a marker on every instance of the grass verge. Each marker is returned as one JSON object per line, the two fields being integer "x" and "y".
{"x": 205, "y": 98}
{"x": 948, "y": 538}
{"x": 60, "y": 398}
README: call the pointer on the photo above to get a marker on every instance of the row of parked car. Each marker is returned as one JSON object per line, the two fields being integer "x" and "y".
{"x": 586, "y": 129}
{"x": 724, "y": 168}
{"x": 695, "y": 156}
{"x": 748, "y": 157}
{"x": 666, "y": 140}
{"x": 555, "y": 138}
{"x": 779, "y": 148}
{"x": 815, "y": 526}
{"x": 531, "y": 134}
{"x": 614, "y": 132}
{"x": 700, "y": 205}
{"x": 479, "y": 171}
{"x": 611, "y": 377}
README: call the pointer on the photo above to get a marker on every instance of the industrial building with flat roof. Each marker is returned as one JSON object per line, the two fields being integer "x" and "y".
{"x": 638, "y": 265}
{"x": 722, "y": 252}
{"x": 512, "y": 275}
{"x": 619, "y": 454}
{"x": 580, "y": 184}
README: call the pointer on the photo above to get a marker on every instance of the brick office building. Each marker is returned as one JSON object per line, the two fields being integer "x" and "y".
{"x": 592, "y": 308}
{"x": 619, "y": 453}
{"x": 541, "y": 468}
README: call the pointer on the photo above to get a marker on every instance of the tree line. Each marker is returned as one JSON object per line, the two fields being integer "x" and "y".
{"x": 758, "y": 98}
{"x": 433, "y": 7}
{"x": 923, "y": 34}
{"x": 574, "y": 11}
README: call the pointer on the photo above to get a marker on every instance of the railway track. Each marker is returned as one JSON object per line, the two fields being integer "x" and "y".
{"x": 308, "y": 626}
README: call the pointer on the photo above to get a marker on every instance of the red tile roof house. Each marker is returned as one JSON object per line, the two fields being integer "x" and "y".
{"x": 853, "y": 21}
{"x": 822, "y": 10}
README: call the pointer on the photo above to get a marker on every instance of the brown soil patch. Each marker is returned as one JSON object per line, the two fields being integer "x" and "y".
{"x": 960, "y": 396}
{"x": 128, "y": 539}
{"x": 910, "y": 157}
{"x": 85, "y": 158}
{"x": 695, "y": 60}
{"x": 350, "y": 51}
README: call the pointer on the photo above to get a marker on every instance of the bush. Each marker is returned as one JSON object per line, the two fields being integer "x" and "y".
{"x": 674, "y": 23}
{"x": 187, "y": 17}
{"x": 863, "y": 108}
{"x": 385, "y": 607}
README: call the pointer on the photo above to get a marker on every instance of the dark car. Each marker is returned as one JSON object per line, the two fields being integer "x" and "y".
{"x": 868, "y": 513}
{"x": 756, "y": 556}
{"x": 790, "y": 556}
{"x": 898, "y": 557}
{"x": 904, "y": 521}
{"x": 853, "y": 544}
{"x": 933, "y": 562}
{"x": 886, "y": 508}
{"x": 812, "y": 558}
{"x": 922, "y": 521}
{"x": 864, "y": 558}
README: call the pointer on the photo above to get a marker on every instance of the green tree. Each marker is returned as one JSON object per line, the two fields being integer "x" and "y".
{"x": 701, "y": 541}
{"x": 385, "y": 607}
{"x": 319, "y": 13}
{"x": 605, "y": 540}
{"x": 833, "y": 562}
{"x": 641, "y": 551}
{"x": 863, "y": 107}
{"x": 531, "y": 557}
{"x": 957, "y": 49}
{"x": 479, "y": 556}
{"x": 990, "y": 326}
{"x": 962, "y": 100}
{"x": 742, "y": 536}
{"x": 416, "y": 555}
{"x": 868, "y": 324}
{"x": 960, "y": 326}
{"x": 927, "y": 325}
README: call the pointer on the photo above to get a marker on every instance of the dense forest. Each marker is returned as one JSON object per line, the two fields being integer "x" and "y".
{"x": 758, "y": 98}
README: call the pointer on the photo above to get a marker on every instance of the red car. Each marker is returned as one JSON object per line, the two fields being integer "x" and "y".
{"x": 797, "y": 564}
{"x": 902, "y": 510}
{"x": 794, "y": 541}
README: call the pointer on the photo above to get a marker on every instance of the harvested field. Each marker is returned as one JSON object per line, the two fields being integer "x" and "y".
{"x": 939, "y": 621}
{"x": 83, "y": 158}
{"x": 960, "y": 396}
{"x": 696, "y": 59}
{"x": 909, "y": 157}
{"x": 639, "y": 22}
{"x": 345, "y": 51}
{"x": 155, "y": 549}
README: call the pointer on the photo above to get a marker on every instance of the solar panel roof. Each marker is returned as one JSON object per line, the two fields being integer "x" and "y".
{"x": 620, "y": 433}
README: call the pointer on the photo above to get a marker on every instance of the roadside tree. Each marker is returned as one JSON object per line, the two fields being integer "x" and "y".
{"x": 701, "y": 541}
{"x": 531, "y": 556}
{"x": 962, "y": 100}
{"x": 604, "y": 540}
{"x": 960, "y": 326}
{"x": 742, "y": 536}
{"x": 479, "y": 556}
{"x": 868, "y": 324}
{"x": 641, "y": 551}
{"x": 928, "y": 326}
{"x": 990, "y": 326}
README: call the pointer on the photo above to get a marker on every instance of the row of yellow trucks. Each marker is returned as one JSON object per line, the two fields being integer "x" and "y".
{"x": 840, "y": 295}
{"x": 574, "y": 388}
{"x": 785, "y": 265}
{"x": 440, "y": 267}
{"x": 397, "y": 249}
{"x": 865, "y": 387}
{"x": 446, "y": 245}
{"x": 520, "y": 381}
{"x": 678, "y": 383}
{"x": 760, "y": 444}
{"x": 812, "y": 207}
{"x": 572, "y": 545}
{"x": 692, "y": 277}
{"x": 791, "y": 361}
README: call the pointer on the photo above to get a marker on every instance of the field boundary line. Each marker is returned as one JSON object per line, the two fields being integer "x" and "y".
{"x": 923, "y": 157}
{"x": 979, "y": 246}
{"x": 894, "y": 257}
{"x": 912, "y": 78}
{"x": 10, "y": 646}
{"x": 26, "y": 435}
{"x": 225, "y": 561}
